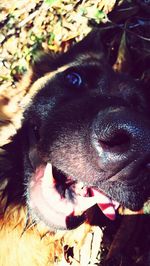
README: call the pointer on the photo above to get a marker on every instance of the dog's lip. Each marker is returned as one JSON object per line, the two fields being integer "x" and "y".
{"x": 55, "y": 209}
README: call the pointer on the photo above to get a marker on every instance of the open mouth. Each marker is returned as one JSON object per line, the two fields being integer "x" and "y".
{"x": 63, "y": 202}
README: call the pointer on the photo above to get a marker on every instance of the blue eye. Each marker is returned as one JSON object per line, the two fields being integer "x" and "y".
{"x": 74, "y": 79}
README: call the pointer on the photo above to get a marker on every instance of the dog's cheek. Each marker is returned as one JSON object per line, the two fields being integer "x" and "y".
{"x": 132, "y": 197}
{"x": 70, "y": 153}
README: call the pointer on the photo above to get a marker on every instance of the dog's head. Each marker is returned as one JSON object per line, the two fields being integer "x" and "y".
{"x": 85, "y": 137}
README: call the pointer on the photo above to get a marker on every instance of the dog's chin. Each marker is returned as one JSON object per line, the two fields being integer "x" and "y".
{"x": 61, "y": 202}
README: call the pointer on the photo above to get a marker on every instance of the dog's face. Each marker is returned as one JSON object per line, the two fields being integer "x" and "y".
{"x": 86, "y": 133}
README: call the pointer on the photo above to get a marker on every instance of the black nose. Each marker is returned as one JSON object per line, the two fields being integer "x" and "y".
{"x": 120, "y": 135}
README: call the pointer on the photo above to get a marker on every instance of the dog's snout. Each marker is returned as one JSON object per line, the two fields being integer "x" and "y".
{"x": 119, "y": 137}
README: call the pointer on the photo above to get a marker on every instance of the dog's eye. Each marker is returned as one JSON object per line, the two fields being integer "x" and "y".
{"x": 74, "y": 79}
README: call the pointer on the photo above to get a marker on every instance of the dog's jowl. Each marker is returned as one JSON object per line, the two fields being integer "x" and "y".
{"x": 85, "y": 140}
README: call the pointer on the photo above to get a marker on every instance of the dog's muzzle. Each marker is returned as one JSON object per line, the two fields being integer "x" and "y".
{"x": 120, "y": 137}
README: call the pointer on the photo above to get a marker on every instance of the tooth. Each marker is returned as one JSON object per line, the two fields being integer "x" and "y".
{"x": 85, "y": 204}
{"x": 48, "y": 176}
{"x": 48, "y": 186}
{"x": 80, "y": 189}
{"x": 80, "y": 185}
{"x": 116, "y": 204}
{"x": 101, "y": 197}
{"x": 108, "y": 210}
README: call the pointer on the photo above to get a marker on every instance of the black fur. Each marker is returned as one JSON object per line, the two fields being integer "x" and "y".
{"x": 96, "y": 132}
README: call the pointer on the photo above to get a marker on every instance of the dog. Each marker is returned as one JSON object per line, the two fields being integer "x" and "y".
{"x": 84, "y": 140}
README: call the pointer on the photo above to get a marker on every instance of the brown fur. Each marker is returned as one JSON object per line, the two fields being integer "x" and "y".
{"x": 23, "y": 245}
{"x": 35, "y": 245}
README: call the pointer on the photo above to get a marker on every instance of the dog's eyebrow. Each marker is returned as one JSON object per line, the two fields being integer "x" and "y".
{"x": 90, "y": 56}
{"x": 84, "y": 58}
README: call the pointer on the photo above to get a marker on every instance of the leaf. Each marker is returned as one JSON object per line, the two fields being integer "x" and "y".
{"x": 99, "y": 15}
{"x": 146, "y": 207}
{"x": 50, "y": 2}
{"x": 123, "y": 58}
{"x": 51, "y": 38}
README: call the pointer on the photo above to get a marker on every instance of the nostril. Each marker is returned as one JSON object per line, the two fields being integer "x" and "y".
{"x": 117, "y": 141}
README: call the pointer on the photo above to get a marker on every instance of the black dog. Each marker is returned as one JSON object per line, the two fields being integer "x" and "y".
{"x": 85, "y": 133}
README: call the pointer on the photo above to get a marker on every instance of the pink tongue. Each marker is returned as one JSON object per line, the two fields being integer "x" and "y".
{"x": 55, "y": 209}
{"x": 106, "y": 205}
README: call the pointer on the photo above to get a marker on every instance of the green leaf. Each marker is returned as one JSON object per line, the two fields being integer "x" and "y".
{"x": 50, "y": 2}
{"x": 83, "y": 11}
{"x": 51, "y": 38}
{"x": 146, "y": 207}
{"x": 99, "y": 15}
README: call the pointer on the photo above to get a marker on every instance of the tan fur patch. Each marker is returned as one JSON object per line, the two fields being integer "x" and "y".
{"x": 38, "y": 246}
{"x": 39, "y": 84}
